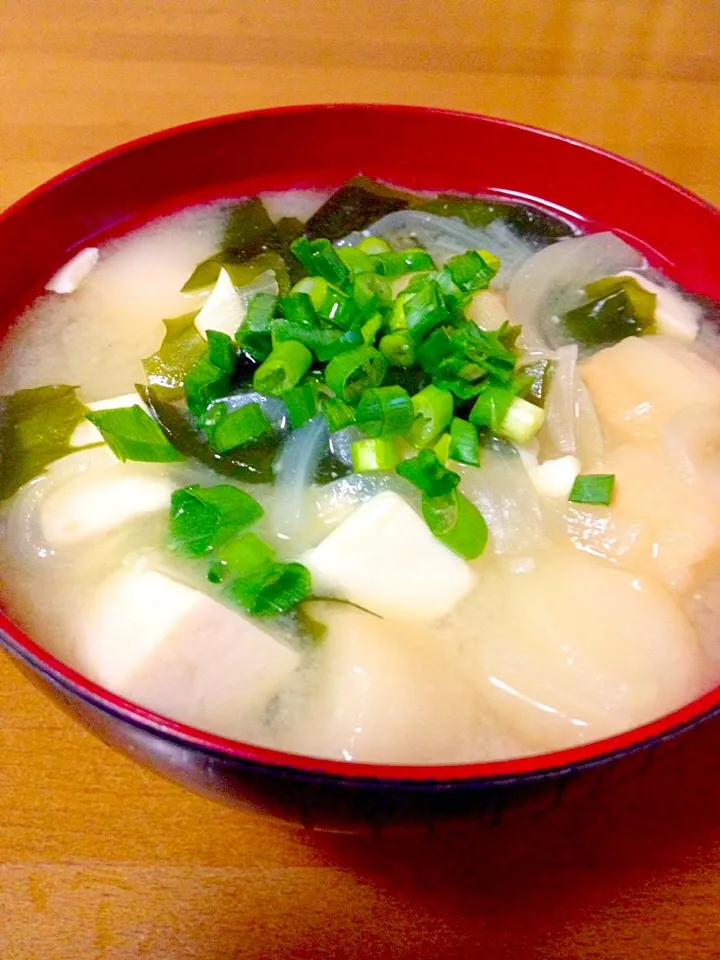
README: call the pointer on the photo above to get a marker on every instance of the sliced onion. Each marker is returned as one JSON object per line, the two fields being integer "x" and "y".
{"x": 557, "y": 436}
{"x": 502, "y": 491}
{"x": 296, "y": 468}
{"x": 445, "y": 237}
{"x": 571, "y": 424}
{"x": 551, "y": 282}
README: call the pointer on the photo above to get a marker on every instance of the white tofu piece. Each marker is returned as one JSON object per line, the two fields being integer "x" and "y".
{"x": 178, "y": 651}
{"x": 555, "y": 478}
{"x": 384, "y": 558}
{"x": 224, "y": 309}
{"x": 95, "y": 502}
{"x": 69, "y": 277}
{"x": 674, "y": 315}
{"x": 87, "y": 433}
{"x": 382, "y": 692}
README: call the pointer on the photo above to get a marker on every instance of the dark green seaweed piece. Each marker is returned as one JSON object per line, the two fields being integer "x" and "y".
{"x": 252, "y": 462}
{"x": 180, "y": 350}
{"x": 35, "y": 430}
{"x": 250, "y": 232}
{"x": 604, "y": 321}
{"x": 527, "y": 221}
{"x": 354, "y": 207}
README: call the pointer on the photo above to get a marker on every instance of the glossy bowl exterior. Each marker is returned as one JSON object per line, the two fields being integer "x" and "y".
{"x": 324, "y": 146}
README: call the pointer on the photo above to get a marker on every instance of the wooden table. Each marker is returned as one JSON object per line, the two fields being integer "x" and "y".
{"x": 99, "y": 859}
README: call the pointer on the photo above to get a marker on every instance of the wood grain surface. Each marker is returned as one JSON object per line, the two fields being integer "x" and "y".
{"x": 100, "y": 859}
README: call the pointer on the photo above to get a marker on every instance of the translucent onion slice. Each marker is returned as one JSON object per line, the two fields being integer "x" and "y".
{"x": 296, "y": 468}
{"x": 501, "y": 489}
{"x": 551, "y": 282}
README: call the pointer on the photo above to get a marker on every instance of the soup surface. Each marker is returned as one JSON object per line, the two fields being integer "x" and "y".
{"x": 368, "y": 476}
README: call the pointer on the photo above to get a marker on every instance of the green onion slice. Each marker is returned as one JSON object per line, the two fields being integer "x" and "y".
{"x": 593, "y": 488}
{"x": 132, "y": 434}
{"x": 228, "y": 430}
{"x": 385, "y": 411}
{"x": 349, "y": 374}
{"x": 320, "y": 259}
{"x": 338, "y": 414}
{"x": 301, "y": 402}
{"x": 376, "y": 453}
{"x": 426, "y": 472}
{"x": 433, "y": 412}
{"x": 245, "y": 556}
{"x": 464, "y": 442}
{"x": 457, "y": 523}
{"x": 284, "y": 368}
{"x": 202, "y": 518}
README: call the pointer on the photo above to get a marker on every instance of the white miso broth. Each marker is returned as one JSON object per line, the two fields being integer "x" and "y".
{"x": 352, "y": 511}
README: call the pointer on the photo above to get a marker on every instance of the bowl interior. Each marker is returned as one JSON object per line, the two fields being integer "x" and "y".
{"x": 323, "y": 146}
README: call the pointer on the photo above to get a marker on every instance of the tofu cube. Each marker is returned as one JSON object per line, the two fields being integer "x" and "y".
{"x": 101, "y": 496}
{"x": 179, "y": 652}
{"x": 69, "y": 277}
{"x": 224, "y": 309}
{"x": 384, "y": 558}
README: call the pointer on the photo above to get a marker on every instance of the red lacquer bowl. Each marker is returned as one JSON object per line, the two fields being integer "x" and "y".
{"x": 323, "y": 146}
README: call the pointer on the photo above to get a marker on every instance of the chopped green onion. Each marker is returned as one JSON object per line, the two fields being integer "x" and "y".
{"x": 395, "y": 264}
{"x": 371, "y": 293}
{"x": 260, "y": 312}
{"x": 202, "y": 518}
{"x": 204, "y": 383}
{"x": 433, "y": 412}
{"x": 464, "y": 442}
{"x": 281, "y": 588}
{"x": 298, "y": 306}
{"x": 593, "y": 488}
{"x": 371, "y": 328}
{"x": 424, "y": 310}
{"x": 314, "y": 287}
{"x": 301, "y": 402}
{"x": 338, "y": 308}
{"x": 221, "y": 351}
{"x": 385, "y": 411}
{"x": 522, "y": 421}
{"x": 132, "y": 434}
{"x": 374, "y": 245}
{"x": 284, "y": 368}
{"x": 251, "y": 463}
{"x": 442, "y": 448}
{"x": 320, "y": 259}
{"x": 228, "y": 430}
{"x": 491, "y": 260}
{"x": 338, "y": 414}
{"x": 355, "y": 260}
{"x": 469, "y": 271}
{"x": 398, "y": 348}
{"x": 377, "y": 453}
{"x": 491, "y": 408}
{"x": 246, "y": 556}
{"x": 349, "y": 374}
{"x": 457, "y": 523}
{"x": 429, "y": 475}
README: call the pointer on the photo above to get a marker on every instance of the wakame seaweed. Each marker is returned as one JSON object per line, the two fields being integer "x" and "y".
{"x": 355, "y": 206}
{"x": 251, "y": 463}
{"x": 530, "y": 223}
